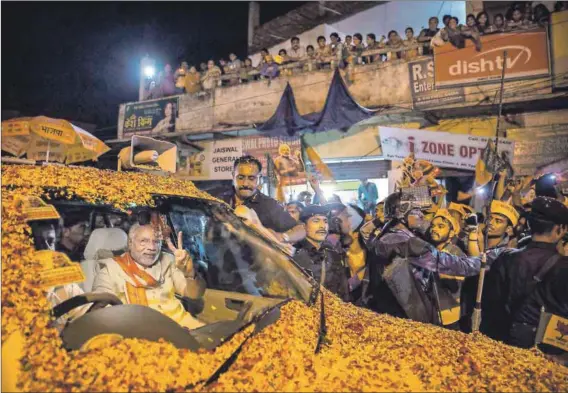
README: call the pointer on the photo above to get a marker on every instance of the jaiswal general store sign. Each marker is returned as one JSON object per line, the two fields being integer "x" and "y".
{"x": 527, "y": 56}
{"x": 443, "y": 149}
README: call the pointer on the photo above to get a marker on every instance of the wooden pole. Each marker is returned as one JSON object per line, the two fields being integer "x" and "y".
{"x": 476, "y": 316}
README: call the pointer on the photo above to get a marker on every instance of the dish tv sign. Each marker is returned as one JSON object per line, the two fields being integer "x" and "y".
{"x": 527, "y": 57}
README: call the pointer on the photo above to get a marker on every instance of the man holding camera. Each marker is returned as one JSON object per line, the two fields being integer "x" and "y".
{"x": 402, "y": 280}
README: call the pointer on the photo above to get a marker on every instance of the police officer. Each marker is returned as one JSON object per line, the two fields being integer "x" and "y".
{"x": 520, "y": 282}
{"x": 318, "y": 257}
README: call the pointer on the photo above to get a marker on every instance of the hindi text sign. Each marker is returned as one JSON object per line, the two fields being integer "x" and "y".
{"x": 150, "y": 117}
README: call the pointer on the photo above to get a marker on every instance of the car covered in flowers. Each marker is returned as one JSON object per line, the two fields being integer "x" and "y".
{"x": 268, "y": 325}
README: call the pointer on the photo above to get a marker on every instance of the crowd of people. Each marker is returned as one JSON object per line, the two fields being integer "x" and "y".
{"x": 420, "y": 259}
{"x": 414, "y": 255}
{"x": 356, "y": 49}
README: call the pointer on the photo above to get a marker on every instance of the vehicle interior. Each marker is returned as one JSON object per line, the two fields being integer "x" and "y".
{"x": 247, "y": 276}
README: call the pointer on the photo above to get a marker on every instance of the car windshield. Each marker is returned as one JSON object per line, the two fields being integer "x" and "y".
{"x": 232, "y": 257}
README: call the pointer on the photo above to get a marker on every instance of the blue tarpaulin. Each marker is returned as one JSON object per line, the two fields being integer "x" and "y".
{"x": 286, "y": 120}
{"x": 340, "y": 111}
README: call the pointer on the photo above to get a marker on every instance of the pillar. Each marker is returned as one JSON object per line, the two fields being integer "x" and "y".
{"x": 253, "y": 20}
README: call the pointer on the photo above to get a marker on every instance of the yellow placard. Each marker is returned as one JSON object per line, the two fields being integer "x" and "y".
{"x": 79, "y": 154}
{"x": 15, "y": 145}
{"x": 556, "y": 333}
{"x": 49, "y": 259}
{"x": 61, "y": 276}
{"x": 36, "y": 209}
{"x": 15, "y": 127}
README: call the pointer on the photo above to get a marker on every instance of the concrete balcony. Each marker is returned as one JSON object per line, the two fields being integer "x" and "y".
{"x": 388, "y": 85}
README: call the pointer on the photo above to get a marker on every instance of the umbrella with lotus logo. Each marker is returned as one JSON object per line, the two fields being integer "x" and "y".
{"x": 42, "y": 138}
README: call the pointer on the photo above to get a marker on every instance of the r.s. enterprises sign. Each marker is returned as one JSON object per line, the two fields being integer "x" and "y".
{"x": 527, "y": 57}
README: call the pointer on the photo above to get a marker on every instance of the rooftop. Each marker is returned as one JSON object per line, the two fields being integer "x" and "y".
{"x": 305, "y": 18}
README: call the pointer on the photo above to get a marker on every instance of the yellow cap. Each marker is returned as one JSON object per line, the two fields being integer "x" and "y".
{"x": 444, "y": 213}
{"x": 462, "y": 209}
{"x": 505, "y": 209}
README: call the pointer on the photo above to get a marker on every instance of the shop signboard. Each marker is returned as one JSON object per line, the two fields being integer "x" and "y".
{"x": 216, "y": 160}
{"x": 443, "y": 149}
{"x": 527, "y": 56}
{"x": 423, "y": 90}
{"x": 559, "y": 49}
{"x": 150, "y": 117}
{"x": 538, "y": 146}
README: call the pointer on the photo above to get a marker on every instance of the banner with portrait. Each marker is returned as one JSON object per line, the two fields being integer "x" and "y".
{"x": 286, "y": 153}
{"x": 216, "y": 160}
{"x": 150, "y": 117}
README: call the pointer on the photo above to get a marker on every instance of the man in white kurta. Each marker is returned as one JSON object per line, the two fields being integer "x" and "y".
{"x": 146, "y": 276}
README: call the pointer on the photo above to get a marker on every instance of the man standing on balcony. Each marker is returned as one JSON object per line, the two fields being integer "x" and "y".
{"x": 297, "y": 52}
{"x": 167, "y": 84}
{"x": 247, "y": 172}
{"x": 426, "y": 35}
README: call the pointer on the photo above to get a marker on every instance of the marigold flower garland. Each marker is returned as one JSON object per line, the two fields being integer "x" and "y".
{"x": 365, "y": 351}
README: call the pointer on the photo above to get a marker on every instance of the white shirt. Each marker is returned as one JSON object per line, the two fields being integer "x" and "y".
{"x": 112, "y": 279}
{"x": 297, "y": 54}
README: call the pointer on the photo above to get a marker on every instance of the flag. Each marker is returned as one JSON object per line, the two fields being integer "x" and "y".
{"x": 490, "y": 163}
{"x": 309, "y": 154}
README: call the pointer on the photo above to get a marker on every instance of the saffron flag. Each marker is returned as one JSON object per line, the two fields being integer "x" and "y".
{"x": 318, "y": 165}
{"x": 490, "y": 163}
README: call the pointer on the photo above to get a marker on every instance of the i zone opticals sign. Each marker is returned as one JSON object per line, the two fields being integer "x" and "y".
{"x": 527, "y": 56}
{"x": 443, "y": 149}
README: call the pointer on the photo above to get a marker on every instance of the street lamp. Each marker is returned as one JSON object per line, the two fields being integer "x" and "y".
{"x": 149, "y": 72}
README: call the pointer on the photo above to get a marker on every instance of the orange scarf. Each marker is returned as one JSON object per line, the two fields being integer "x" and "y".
{"x": 131, "y": 268}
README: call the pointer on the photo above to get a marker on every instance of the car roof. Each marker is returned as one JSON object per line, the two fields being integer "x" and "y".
{"x": 97, "y": 186}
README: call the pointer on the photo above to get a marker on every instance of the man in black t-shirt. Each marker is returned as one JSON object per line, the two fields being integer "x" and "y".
{"x": 426, "y": 35}
{"x": 247, "y": 171}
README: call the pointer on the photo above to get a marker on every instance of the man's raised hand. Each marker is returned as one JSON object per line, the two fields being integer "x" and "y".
{"x": 182, "y": 259}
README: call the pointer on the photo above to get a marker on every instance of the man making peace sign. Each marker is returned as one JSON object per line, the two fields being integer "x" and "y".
{"x": 147, "y": 276}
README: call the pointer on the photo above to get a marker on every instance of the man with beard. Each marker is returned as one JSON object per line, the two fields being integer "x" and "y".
{"x": 318, "y": 257}
{"x": 146, "y": 276}
{"x": 247, "y": 171}
{"x": 502, "y": 220}
{"x": 443, "y": 232}
{"x": 402, "y": 280}
{"x": 285, "y": 164}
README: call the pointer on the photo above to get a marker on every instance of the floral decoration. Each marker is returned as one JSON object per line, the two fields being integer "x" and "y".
{"x": 364, "y": 351}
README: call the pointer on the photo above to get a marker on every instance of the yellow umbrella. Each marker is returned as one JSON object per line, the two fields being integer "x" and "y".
{"x": 45, "y": 139}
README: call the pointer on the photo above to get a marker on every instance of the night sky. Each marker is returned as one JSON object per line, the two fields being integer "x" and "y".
{"x": 80, "y": 60}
